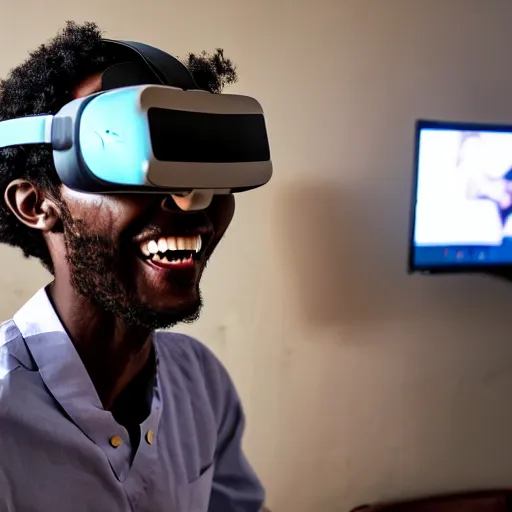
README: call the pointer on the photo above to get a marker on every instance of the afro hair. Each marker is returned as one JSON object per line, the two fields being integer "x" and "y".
{"x": 43, "y": 84}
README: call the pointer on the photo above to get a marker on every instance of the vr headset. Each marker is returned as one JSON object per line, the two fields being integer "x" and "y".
{"x": 151, "y": 130}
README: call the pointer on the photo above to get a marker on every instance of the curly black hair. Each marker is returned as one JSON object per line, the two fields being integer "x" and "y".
{"x": 43, "y": 84}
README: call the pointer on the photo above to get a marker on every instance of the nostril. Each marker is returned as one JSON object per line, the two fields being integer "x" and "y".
{"x": 169, "y": 204}
{"x": 189, "y": 201}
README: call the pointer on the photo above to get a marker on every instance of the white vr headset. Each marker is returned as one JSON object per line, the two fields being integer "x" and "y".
{"x": 138, "y": 136}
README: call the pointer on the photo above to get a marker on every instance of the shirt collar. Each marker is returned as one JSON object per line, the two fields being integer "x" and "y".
{"x": 58, "y": 362}
{"x": 66, "y": 378}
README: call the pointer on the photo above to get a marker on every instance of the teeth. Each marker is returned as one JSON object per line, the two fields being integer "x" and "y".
{"x": 152, "y": 247}
{"x": 171, "y": 243}
{"x": 162, "y": 245}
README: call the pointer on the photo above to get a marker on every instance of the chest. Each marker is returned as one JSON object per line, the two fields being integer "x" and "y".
{"x": 90, "y": 462}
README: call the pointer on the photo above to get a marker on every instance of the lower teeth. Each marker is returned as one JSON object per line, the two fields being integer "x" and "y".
{"x": 164, "y": 259}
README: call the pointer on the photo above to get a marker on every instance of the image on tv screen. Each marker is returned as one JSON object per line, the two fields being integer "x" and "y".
{"x": 462, "y": 198}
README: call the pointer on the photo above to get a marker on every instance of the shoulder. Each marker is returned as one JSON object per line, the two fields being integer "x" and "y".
{"x": 8, "y": 332}
{"x": 13, "y": 352}
{"x": 182, "y": 349}
{"x": 197, "y": 362}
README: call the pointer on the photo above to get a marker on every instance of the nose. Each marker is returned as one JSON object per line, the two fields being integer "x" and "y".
{"x": 188, "y": 201}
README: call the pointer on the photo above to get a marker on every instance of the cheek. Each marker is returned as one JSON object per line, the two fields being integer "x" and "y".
{"x": 87, "y": 208}
{"x": 73, "y": 197}
{"x": 102, "y": 212}
{"x": 221, "y": 212}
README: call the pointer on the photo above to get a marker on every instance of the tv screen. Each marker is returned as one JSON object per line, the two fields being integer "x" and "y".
{"x": 462, "y": 198}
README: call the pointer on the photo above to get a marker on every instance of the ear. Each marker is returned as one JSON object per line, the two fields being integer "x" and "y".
{"x": 31, "y": 206}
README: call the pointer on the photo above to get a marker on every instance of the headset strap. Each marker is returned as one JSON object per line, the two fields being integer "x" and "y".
{"x": 169, "y": 69}
{"x": 26, "y": 130}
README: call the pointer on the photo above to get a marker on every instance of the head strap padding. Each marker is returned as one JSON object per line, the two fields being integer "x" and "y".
{"x": 168, "y": 69}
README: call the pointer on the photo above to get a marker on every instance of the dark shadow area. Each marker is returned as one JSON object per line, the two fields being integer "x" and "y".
{"x": 344, "y": 248}
{"x": 346, "y": 252}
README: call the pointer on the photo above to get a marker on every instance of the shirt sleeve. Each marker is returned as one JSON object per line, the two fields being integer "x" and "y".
{"x": 236, "y": 487}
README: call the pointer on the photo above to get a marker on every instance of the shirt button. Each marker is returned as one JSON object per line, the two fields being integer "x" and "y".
{"x": 116, "y": 441}
{"x": 150, "y": 436}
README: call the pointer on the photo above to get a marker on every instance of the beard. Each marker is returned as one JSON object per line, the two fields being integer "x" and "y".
{"x": 100, "y": 274}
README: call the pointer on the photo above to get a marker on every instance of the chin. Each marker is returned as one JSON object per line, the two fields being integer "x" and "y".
{"x": 174, "y": 304}
{"x": 155, "y": 315}
{"x": 171, "y": 298}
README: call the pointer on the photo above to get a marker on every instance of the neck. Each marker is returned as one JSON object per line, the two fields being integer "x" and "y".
{"x": 112, "y": 352}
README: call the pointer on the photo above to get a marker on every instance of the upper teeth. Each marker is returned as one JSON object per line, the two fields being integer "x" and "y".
{"x": 171, "y": 243}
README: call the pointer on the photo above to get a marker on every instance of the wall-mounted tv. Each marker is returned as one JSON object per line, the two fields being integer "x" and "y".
{"x": 462, "y": 198}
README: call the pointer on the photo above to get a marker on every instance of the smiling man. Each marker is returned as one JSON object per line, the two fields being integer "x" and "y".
{"x": 100, "y": 409}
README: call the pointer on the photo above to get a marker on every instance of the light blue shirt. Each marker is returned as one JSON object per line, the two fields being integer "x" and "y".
{"x": 60, "y": 450}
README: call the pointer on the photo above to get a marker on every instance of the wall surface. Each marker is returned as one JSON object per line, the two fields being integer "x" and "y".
{"x": 360, "y": 382}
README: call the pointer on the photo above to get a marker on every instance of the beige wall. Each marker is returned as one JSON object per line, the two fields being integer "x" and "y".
{"x": 360, "y": 383}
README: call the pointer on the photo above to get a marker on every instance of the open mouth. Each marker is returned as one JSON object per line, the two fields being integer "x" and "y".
{"x": 172, "y": 251}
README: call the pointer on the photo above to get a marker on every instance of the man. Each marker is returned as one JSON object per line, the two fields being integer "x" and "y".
{"x": 99, "y": 410}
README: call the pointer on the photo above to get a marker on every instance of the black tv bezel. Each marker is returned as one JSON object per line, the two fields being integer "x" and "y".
{"x": 460, "y": 268}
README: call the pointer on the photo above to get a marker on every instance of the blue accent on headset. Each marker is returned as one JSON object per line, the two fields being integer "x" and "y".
{"x": 114, "y": 140}
{"x": 25, "y": 130}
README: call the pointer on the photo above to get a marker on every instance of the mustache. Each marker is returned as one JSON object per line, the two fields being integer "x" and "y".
{"x": 188, "y": 224}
